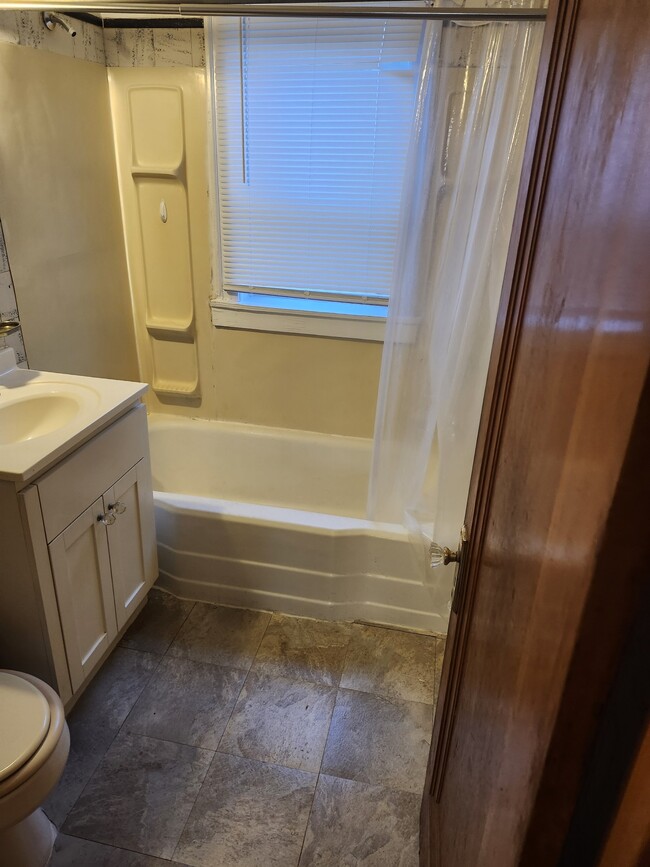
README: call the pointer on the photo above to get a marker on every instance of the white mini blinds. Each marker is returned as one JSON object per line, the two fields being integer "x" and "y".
{"x": 313, "y": 120}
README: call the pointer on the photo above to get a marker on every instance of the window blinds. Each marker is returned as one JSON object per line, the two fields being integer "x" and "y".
{"x": 313, "y": 119}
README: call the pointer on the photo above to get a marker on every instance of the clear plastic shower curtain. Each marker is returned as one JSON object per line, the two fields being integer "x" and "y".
{"x": 473, "y": 100}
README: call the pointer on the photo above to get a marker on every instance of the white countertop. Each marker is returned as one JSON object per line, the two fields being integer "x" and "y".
{"x": 44, "y": 416}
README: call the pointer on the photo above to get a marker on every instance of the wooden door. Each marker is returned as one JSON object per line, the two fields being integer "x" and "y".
{"x": 557, "y": 516}
{"x": 131, "y": 540}
{"x": 82, "y": 577}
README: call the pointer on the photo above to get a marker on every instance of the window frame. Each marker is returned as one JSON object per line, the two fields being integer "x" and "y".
{"x": 226, "y": 309}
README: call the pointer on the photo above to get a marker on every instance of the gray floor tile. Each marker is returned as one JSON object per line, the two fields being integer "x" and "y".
{"x": 248, "y": 814}
{"x": 378, "y": 740}
{"x": 303, "y": 649}
{"x": 158, "y": 622}
{"x": 74, "y": 852}
{"x": 391, "y": 662}
{"x": 280, "y": 721}
{"x": 222, "y": 636}
{"x": 140, "y": 795}
{"x": 188, "y": 702}
{"x": 249, "y": 811}
{"x": 95, "y": 721}
{"x": 357, "y": 824}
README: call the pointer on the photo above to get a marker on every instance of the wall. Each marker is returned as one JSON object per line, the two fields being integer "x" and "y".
{"x": 294, "y": 381}
{"x": 56, "y": 168}
{"x": 158, "y": 47}
{"x": 59, "y": 201}
{"x": 297, "y": 381}
{"x": 27, "y": 29}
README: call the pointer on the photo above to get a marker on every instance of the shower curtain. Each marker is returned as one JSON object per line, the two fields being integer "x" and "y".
{"x": 472, "y": 105}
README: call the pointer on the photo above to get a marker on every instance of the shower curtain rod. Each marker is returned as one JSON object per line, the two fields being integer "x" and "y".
{"x": 270, "y": 8}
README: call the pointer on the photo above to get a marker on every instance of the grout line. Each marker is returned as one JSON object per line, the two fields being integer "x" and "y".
{"x": 234, "y": 707}
{"x": 219, "y": 752}
{"x": 139, "y": 695}
{"x": 175, "y": 743}
{"x": 264, "y": 762}
{"x": 322, "y": 758}
{"x": 200, "y": 789}
{"x": 409, "y": 630}
{"x": 260, "y": 671}
{"x": 117, "y": 733}
{"x": 318, "y": 774}
{"x": 370, "y": 692}
{"x": 185, "y": 619}
{"x": 385, "y": 697}
{"x": 375, "y": 785}
{"x": 259, "y": 643}
{"x": 117, "y": 848}
{"x": 175, "y": 635}
{"x": 218, "y": 665}
{"x": 311, "y": 807}
{"x": 169, "y": 741}
{"x": 247, "y": 672}
{"x": 345, "y": 658}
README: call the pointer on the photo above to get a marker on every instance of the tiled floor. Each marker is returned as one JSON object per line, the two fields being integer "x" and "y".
{"x": 218, "y": 737}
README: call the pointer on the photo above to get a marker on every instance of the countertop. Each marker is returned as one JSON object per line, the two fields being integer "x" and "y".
{"x": 58, "y": 413}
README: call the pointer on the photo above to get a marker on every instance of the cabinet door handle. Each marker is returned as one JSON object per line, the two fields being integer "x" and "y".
{"x": 107, "y": 518}
{"x": 118, "y": 507}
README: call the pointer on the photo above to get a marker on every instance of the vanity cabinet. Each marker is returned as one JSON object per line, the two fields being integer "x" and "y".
{"x": 102, "y": 566}
{"x": 89, "y": 540}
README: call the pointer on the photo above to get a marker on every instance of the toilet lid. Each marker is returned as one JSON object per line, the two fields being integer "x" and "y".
{"x": 24, "y": 722}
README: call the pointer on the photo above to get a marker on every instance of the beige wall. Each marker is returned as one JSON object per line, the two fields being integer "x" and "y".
{"x": 297, "y": 381}
{"x": 61, "y": 216}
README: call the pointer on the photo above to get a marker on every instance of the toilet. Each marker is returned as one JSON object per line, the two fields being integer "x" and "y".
{"x": 34, "y": 746}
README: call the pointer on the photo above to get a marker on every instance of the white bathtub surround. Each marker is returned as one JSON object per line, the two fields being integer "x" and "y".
{"x": 269, "y": 518}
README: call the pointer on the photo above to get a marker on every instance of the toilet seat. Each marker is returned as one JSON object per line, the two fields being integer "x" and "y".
{"x": 24, "y": 722}
{"x": 31, "y": 764}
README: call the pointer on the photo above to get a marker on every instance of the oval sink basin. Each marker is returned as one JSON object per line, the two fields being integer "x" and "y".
{"x": 34, "y": 412}
{"x": 35, "y": 417}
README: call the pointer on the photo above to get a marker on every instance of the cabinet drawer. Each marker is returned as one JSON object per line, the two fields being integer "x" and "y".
{"x": 74, "y": 484}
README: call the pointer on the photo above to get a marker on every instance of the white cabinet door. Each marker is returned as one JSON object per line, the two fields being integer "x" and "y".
{"x": 82, "y": 577}
{"x": 131, "y": 540}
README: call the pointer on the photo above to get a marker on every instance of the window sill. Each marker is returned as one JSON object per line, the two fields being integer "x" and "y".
{"x": 227, "y": 314}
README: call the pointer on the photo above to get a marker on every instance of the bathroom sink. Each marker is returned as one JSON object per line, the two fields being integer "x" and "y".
{"x": 37, "y": 409}
{"x": 44, "y": 416}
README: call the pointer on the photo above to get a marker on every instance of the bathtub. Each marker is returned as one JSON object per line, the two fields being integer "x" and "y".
{"x": 273, "y": 519}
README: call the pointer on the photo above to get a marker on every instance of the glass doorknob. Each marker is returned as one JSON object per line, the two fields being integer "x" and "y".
{"x": 442, "y": 556}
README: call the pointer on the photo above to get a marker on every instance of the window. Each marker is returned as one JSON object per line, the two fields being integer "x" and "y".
{"x": 312, "y": 119}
